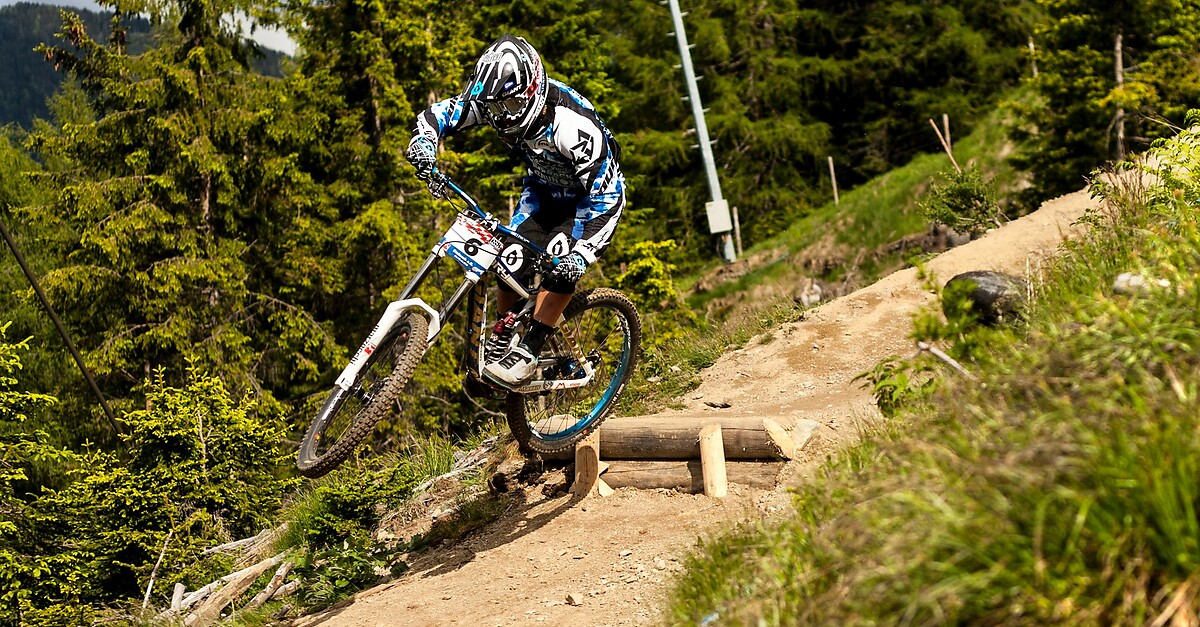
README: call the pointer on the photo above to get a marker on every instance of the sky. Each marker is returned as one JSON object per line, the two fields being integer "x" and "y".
{"x": 268, "y": 38}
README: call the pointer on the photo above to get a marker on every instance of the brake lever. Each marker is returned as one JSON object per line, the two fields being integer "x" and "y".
{"x": 437, "y": 185}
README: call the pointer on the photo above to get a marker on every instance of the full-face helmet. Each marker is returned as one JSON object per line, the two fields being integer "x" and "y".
{"x": 510, "y": 82}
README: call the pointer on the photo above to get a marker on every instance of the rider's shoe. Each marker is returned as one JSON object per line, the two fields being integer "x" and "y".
{"x": 514, "y": 369}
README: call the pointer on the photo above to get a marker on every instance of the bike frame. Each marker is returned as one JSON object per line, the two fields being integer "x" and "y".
{"x": 473, "y": 242}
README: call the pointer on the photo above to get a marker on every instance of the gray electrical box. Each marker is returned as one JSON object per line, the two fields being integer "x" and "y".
{"x": 718, "y": 216}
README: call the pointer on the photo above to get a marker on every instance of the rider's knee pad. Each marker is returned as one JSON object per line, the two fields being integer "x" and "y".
{"x": 559, "y": 284}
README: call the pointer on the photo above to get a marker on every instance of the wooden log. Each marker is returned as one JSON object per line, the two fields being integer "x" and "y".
{"x": 587, "y": 466}
{"x": 663, "y": 438}
{"x": 687, "y": 476}
{"x": 209, "y": 611}
{"x": 198, "y": 595}
{"x": 272, "y": 586}
{"x": 236, "y": 544}
{"x": 712, "y": 462}
{"x": 287, "y": 589}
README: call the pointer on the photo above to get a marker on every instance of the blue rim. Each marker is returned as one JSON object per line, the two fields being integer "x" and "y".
{"x": 604, "y": 400}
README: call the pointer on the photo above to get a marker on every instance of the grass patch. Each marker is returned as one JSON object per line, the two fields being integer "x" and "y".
{"x": 1058, "y": 489}
{"x": 875, "y": 213}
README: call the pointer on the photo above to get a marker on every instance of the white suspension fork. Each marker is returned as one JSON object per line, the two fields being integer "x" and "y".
{"x": 390, "y": 317}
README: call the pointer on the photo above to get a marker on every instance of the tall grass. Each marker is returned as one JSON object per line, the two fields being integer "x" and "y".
{"x": 1060, "y": 488}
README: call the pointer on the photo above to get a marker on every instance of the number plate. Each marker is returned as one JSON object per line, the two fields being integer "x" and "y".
{"x": 471, "y": 244}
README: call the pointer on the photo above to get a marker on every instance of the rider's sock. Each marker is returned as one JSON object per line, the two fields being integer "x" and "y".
{"x": 536, "y": 336}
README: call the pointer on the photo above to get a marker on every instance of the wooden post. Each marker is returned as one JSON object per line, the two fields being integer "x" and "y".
{"x": 1119, "y": 62}
{"x": 833, "y": 177}
{"x": 946, "y": 128}
{"x": 177, "y": 596}
{"x": 602, "y": 487}
{"x": 945, "y": 145}
{"x": 1033, "y": 56}
{"x": 737, "y": 232}
{"x": 587, "y": 465}
{"x": 712, "y": 461}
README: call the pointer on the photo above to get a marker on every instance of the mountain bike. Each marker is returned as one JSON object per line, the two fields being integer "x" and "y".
{"x": 581, "y": 372}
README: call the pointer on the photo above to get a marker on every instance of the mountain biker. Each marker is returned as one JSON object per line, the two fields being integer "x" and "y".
{"x": 573, "y": 193}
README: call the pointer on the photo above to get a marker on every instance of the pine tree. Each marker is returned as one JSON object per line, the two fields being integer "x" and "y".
{"x": 188, "y": 208}
{"x": 1112, "y": 77}
{"x": 788, "y": 85}
{"x": 366, "y": 69}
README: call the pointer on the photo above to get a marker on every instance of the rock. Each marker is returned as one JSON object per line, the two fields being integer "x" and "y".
{"x": 994, "y": 297}
{"x": 718, "y": 404}
{"x": 811, "y": 294}
{"x": 574, "y": 599}
{"x": 557, "y": 482}
{"x": 1131, "y": 283}
{"x": 806, "y": 430}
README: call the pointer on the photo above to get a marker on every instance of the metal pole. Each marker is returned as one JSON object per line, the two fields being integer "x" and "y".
{"x": 62, "y": 332}
{"x": 719, "y": 221}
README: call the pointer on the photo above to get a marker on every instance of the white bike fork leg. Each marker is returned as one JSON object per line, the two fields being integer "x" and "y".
{"x": 390, "y": 317}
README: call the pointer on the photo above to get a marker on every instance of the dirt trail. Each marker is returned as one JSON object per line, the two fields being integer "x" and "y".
{"x": 617, "y": 554}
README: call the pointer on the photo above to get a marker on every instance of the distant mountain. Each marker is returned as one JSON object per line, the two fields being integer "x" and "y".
{"x": 27, "y": 80}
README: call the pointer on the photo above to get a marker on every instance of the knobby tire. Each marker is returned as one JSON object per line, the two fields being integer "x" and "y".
{"x": 517, "y": 405}
{"x": 412, "y": 331}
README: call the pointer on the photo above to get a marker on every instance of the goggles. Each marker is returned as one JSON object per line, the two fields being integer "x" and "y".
{"x": 508, "y": 108}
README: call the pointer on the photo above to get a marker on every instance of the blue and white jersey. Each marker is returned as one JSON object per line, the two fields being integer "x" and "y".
{"x": 574, "y": 155}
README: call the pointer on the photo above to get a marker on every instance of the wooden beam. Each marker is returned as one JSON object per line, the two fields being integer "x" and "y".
{"x": 712, "y": 462}
{"x": 668, "y": 438}
{"x": 177, "y": 596}
{"x": 688, "y": 476}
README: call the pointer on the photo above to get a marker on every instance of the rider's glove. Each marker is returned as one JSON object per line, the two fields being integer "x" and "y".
{"x": 422, "y": 153}
{"x": 566, "y": 274}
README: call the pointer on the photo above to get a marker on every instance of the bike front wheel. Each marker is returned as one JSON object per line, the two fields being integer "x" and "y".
{"x": 604, "y": 325}
{"x": 349, "y": 416}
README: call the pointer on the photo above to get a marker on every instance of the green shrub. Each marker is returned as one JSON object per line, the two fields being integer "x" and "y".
{"x": 966, "y": 202}
{"x": 201, "y": 469}
{"x": 647, "y": 280}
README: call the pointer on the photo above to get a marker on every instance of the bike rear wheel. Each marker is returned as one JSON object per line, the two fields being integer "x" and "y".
{"x": 349, "y": 416}
{"x": 608, "y": 332}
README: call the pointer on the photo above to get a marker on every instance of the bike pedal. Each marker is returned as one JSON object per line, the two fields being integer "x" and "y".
{"x": 478, "y": 388}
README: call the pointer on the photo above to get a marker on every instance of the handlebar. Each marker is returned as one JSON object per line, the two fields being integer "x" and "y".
{"x": 440, "y": 183}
